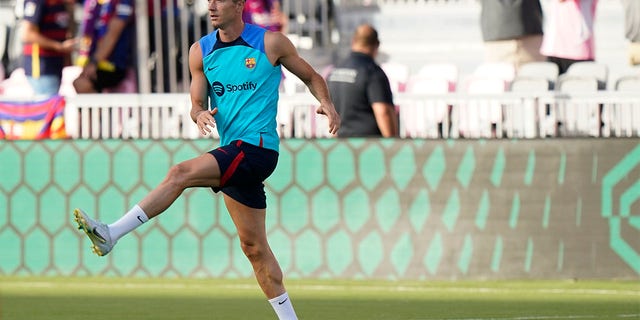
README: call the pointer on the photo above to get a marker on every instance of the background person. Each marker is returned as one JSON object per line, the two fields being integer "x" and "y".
{"x": 265, "y": 13}
{"x": 246, "y": 120}
{"x": 106, "y": 44}
{"x": 361, "y": 91}
{"x": 47, "y": 43}
{"x": 568, "y": 36}
{"x": 511, "y": 30}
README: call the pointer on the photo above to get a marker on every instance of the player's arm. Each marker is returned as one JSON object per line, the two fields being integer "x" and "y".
{"x": 198, "y": 90}
{"x": 385, "y": 115}
{"x": 281, "y": 50}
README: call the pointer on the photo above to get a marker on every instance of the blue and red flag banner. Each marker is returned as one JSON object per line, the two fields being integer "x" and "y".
{"x": 33, "y": 120}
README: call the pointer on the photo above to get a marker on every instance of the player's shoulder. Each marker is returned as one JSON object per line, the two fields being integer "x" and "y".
{"x": 206, "y": 42}
{"x": 195, "y": 47}
{"x": 275, "y": 41}
{"x": 275, "y": 35}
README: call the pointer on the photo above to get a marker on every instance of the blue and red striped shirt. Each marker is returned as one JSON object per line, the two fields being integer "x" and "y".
{"x": 53, "y": 20}
{"x": 95, "y": 24}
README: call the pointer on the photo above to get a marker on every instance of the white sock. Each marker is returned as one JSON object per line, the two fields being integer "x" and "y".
{"x": 131, "y": 220}
{"x": 283, "y": 307}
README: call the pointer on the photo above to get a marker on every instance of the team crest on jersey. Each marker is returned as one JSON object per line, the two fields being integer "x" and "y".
{"x": 250, "y": 63}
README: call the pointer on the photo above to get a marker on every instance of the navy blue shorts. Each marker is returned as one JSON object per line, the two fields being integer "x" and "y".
{"x": 243, "y": 169}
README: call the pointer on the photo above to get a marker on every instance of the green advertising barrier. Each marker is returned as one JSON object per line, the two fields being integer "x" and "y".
{"x": 353, "y": 209}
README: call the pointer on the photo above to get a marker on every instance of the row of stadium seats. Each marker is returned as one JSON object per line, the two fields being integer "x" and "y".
{"x": 494, "y": 78}
{"x": 435, "y": 78}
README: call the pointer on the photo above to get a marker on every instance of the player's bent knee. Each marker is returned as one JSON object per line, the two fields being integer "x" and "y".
{"x": 178, "y": 175}
{"x": 252, "y": 250}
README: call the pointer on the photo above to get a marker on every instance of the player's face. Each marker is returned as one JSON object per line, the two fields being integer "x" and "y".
{"x": 221, "y": 12}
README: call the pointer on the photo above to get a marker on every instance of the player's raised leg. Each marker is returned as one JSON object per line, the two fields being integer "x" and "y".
{"x": 202, "y": 171}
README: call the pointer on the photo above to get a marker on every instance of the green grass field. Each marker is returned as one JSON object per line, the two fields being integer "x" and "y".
{"x": 26, "y": 298}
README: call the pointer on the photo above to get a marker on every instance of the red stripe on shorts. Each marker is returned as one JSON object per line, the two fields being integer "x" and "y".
{"x": 232, "y": 168}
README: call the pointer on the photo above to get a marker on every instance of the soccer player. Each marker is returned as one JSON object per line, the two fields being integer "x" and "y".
{"x": 237, "y": 67}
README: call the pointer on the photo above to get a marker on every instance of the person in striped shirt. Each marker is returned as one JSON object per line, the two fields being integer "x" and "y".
{"x": 47, "y": 43}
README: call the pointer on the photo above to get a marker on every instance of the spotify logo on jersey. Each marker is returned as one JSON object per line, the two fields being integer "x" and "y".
{"x": 218, "y": 88}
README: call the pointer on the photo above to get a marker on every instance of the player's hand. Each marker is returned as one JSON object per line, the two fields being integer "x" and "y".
{"x": 205, "y": 121}
{"x": 329, "y": 110}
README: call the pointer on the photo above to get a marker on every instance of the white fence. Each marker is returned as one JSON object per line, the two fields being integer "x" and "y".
{"x": 155, "y": 116}
{"x": 509, "y": 115}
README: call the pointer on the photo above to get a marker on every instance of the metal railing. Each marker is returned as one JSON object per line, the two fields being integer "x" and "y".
{"x": 550, "y": 115}
{"x": 163, "y": 39}
{"x": 165, "y": 34}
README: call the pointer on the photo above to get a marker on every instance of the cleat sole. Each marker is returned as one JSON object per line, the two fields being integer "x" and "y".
{"x": 82, "y": 225}
{"x": 96, "y": 250}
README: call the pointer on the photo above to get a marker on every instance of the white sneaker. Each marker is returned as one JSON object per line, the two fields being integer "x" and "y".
{"x": 97, "y": 232}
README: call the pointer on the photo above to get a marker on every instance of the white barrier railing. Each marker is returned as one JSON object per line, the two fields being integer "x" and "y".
{"x": 155, "y": 116}
{"x": 516, "y": 115}
{"x": 509, "y": 115}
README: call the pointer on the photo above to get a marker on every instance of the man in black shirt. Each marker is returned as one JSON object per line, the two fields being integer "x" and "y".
{"x": 361, "y": 92}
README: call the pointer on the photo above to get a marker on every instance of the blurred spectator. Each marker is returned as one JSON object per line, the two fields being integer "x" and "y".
{"x": 511, "y": 30}
{"x": 48, "y": 42}
{"x": 632, "y": 26}
{"x": 361, "y": 92}
{"x": 568, "y": 36}
{"x": 265, "y": 13}
{"x": 105, "y": 50}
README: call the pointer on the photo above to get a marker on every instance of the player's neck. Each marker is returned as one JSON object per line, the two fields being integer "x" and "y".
{"x": 231, "y": 32}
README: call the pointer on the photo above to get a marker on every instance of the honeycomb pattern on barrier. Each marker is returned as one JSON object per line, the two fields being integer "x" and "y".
{"x": 352, "y": 208}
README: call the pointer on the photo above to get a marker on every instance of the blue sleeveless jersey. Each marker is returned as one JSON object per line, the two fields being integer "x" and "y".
{"x": 243, "y": 85}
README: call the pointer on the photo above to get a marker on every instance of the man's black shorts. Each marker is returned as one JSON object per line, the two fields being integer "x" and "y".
{"x": 108, "y": 79}
{"x": 243, "y": 169}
